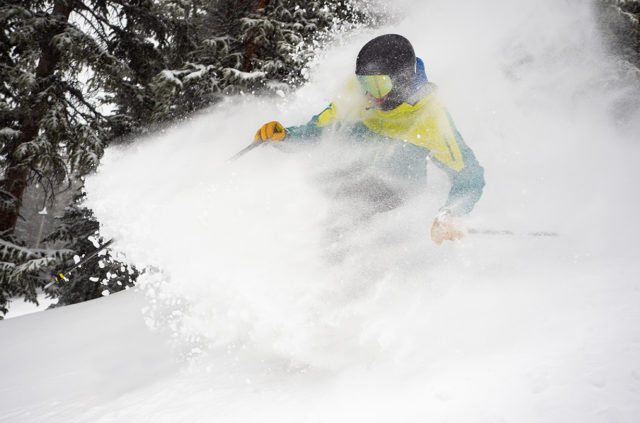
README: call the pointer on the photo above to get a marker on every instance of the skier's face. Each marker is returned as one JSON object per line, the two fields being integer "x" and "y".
{"x": 387, "y": 92}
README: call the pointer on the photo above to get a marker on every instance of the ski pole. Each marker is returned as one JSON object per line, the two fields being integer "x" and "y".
{"x": 246, "y": 150}
{"x": 507, "y": 232}
{"x": 62, "y": 274}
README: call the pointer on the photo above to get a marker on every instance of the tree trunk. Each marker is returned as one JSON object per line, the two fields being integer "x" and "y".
{"x": 16, "y": 175}
{"x": 251, "y": 46}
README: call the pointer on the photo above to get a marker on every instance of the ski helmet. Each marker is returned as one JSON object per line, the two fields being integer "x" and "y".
{"x": 391, "y": 55}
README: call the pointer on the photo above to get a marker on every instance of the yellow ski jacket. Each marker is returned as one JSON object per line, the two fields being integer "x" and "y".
{"x": 416, "y": 131}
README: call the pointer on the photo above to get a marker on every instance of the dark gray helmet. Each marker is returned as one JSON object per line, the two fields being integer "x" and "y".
{"x": 392, "y": 55}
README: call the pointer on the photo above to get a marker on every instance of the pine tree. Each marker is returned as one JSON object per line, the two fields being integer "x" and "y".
{"x": 52, "y": 119}
{"x": 100, "y": 275}
{"x": 250, "y": 46}
{"x": 21, "y": 270}
{"x": 63, "y": 63}
{"x": 81, "y": 74}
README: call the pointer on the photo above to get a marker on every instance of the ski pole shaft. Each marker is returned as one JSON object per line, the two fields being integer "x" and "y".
{"x": 246, "y": 150}
{"x": 507, "y": 232}
{"x": 62, "y": 274}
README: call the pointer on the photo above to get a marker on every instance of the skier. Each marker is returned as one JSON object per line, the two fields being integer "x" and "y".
{"x": 393, "y": 104}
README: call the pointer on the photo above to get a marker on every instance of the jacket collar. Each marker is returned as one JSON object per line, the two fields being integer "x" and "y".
{"x": 413, "y": 103}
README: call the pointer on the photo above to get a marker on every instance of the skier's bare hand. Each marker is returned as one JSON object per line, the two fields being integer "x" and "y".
{"x": 446, "y": 228}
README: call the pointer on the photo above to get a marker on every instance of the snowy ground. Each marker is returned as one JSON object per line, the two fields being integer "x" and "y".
{"x": 262, "y": 312}
{"x": 19, "y": 307}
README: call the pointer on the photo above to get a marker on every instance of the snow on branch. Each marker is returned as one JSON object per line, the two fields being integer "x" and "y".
{"x": 200, "y": 71}
{"x": 170, "y": 77}
{"x": 244, "y": 76}
{"x": 9, "y": 133}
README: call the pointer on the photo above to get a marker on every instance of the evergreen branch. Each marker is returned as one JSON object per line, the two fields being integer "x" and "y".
{"x": 80, "y": 97}
{"x": 99, "y": 31}
{"x": 11, "y": 252}
{"x": 85, "y": 116}
{"x": 101, "y": 19}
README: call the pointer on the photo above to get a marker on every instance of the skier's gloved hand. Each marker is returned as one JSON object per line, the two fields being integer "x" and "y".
{"x": 446, "y": 228}
{"x": 272, "y": 131}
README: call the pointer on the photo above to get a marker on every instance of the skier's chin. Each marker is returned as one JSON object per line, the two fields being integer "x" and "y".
{"x": 385, "y": 103}
{"x": 378, "y": 102}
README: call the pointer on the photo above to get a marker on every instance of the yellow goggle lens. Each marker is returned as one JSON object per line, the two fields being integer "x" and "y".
{"x": 376, "y": 85}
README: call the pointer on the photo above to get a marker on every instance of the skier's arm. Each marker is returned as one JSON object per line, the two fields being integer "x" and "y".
{"x": 331, "y": 115}
{"x": 312, "y": 129}
{"x": 466, "y": 189}
{"x": 466, "y": 183}
{"x": 274, "y": 131}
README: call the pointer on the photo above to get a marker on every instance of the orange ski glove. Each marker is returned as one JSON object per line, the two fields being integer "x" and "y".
{"x": 445, "y": 228}
{"x": 272, "y": 131}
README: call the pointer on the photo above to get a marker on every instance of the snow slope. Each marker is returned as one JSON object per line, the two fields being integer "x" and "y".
{"x": 282, "y": 302}
{"x": 61, "y": 363}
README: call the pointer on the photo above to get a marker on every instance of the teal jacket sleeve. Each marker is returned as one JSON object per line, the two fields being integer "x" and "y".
{"x": 466, "y": 184}
{"x": 309, "y": 131}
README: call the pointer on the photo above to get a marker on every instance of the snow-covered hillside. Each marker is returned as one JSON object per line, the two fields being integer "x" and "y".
{"x": 270, "y": 299}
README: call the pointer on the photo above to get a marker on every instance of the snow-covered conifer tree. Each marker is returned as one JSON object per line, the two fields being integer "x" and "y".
{"x": 80, "y": 74}
{"x": 63, "y": 63}
{"x": 250, "y": 46}
{"x": 100, "y": 275}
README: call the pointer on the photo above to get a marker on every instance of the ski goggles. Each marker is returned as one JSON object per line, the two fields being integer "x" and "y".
{"x": 376, "y": 85}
